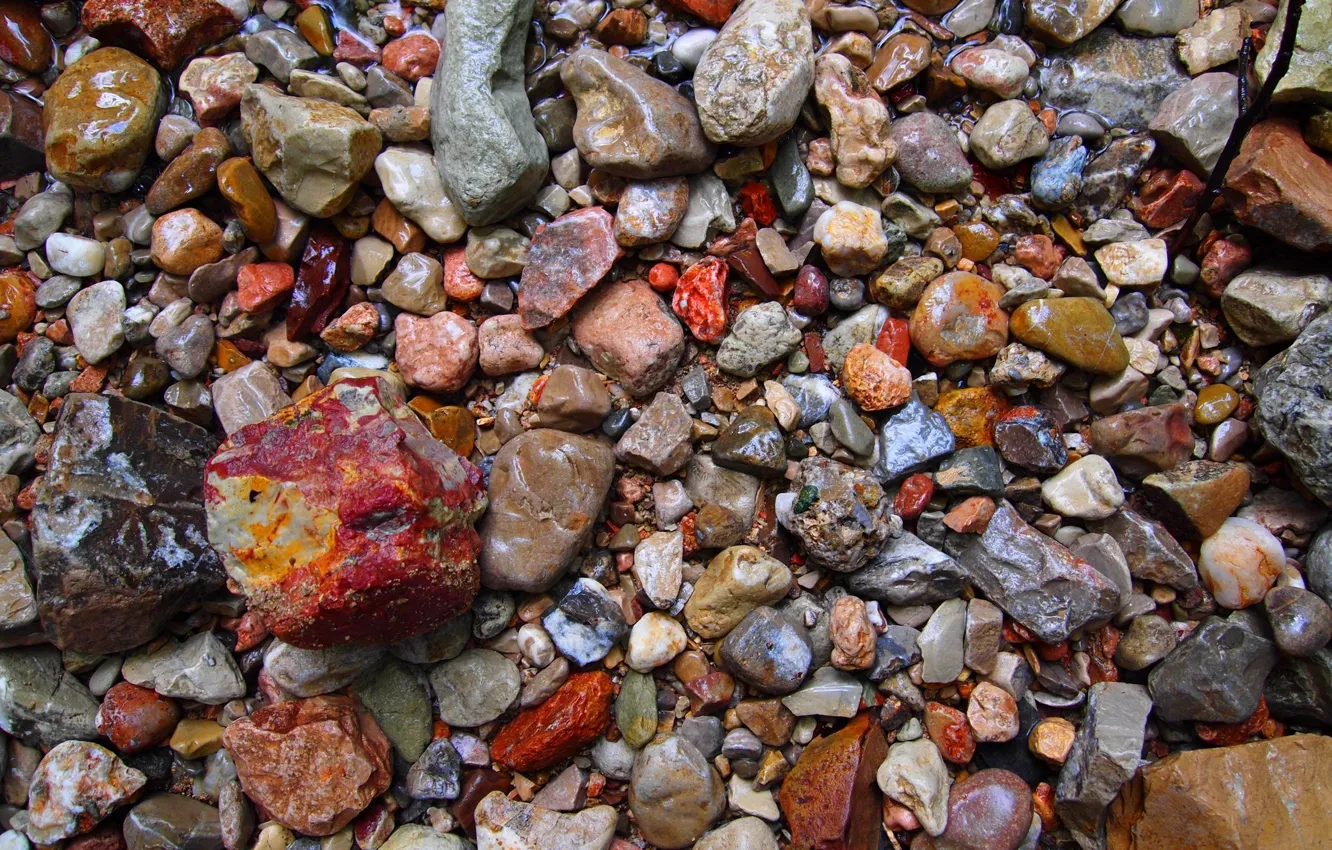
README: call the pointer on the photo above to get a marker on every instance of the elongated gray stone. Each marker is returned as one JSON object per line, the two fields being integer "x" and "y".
{"x": 490, "y": 154}
{"x": 1105, "y": 755}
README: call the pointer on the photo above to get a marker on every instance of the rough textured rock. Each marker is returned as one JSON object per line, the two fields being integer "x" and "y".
{"x": 1215, "y": 675}
{"x": 1308, "y": 77}
{"x": 400, "y": 515}
{"x": 1275, "y": 185}
{"x": 166, "y": 31}
{"x": 117, "y": 556}
{"x": 560, "y": 727}
{"x": 848, "y": 520}
{"x": 567, "y": 258}
{"x": 77, "y": 784}
{"x": 736, "y": 581}
{"x": 755, "y": 74}
{"x": 629, "y": 333}
{"x": 908, "y": 571}
{"x": 478, "y": 105}
{"x": 40, "y": 703}
{"x": 1294, "y": 413}
{"x": 1105, "y": 755}
{"x": 1035, "y": 580}
{"x": 546, "y": 489}
{"x": 1194, "y": 122}
{"x": 631, "y": 124}
{"x": 1119, "y": 77}
{"x": 507, "y": 824}
{"x": 1264, "y": 306}
{"x": 199, "y": 669}
{"x": 830, "y": 797}
{"x": 312, "y": 764}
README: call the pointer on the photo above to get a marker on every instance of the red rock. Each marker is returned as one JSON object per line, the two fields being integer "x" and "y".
{"x": 459, "y": 282}
{"x": 476, "y": 785}
{"x": 355, "y": 50}
{"x": 264, "y": 286}
{"x": 438, "y": 353}
{"x": 344, "y": 549}
{"x": 135, "y": 718}
{"x": 748, "y": 263}
{"x": 1280, "y": 186}
{"x": 914, "y": 494}
{"x": 813, "y": 345}
{"x": 106, "y": 836}
{"x": 312, "y": 764}
{"x": 663, "y": 277}
{"x": 22, "y": 146}
{"x": 166, "y": 32}
{"x": 628, "y": 333}
{"x": 712, "y": 12}
{"x": 412, "y": 56}
{"x": 374, "y": 826}
{"x": 950, "y": 732}
{"x": 622, "y": 26}
{"x": 895, "y": 339}
{"x": 18, "y": 301}
{"x": 711, "y": 693}
{"x": 972, "y": 516}
{"x": 23, "y": 42}
{"x": 758, "y": 204}
{"x": 1146, "y": 440}
{"x": 321, "y": 283}
{"x": 1039, "y": 255}
{"x": 1223, "y": 261}
{"x": 810, "y": 295}
{"x": 1168, "y": 198}
{"x": 990, "y": 809}
{"x": 874, "y": 380}
{"x": 830, "y": 798}
{"x": 567, "y": 258}
{"x": 700, "y": 299}
{"x": 572, "y": 718}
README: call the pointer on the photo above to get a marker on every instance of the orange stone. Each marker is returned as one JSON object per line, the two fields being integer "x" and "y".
{"x": 239, "y": 183}
{"x": 228, "y": 357}
{"x": 978, "y": 240}
{"x": 958, "y": 317}
{"x": 950, "y": 732}
{"x": 403, "y": 234}
{"x": 18, "y": 305}
{"x": 572, "y": 718}
{"x": 316, "y": 27}
{"x": 972, "y": 516}
{"x": 830, "y": 798}
{"x": 971, "y": 414}
{"x": 455, "y": 427}
{"x": 874, "y": 380}
{"x": 353, "y": 328}
{"x": 136, "y": 718}
{"x": 459, "y": 282}
{"x": 264, "y": 286}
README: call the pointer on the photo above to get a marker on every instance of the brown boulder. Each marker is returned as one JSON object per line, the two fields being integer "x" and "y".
{"x": 1250, "y": 797}
{"x": 1279, "y": 185}
{"x": 312, "y": 764}
{"x": 830, "y": 799}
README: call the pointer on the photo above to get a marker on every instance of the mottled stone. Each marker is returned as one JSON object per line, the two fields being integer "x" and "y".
{"x": 567, "y": 258}
{"x": 1215, "y": 675}
{"x": 830, "y": 798}
{"x": 1120, "y": 78}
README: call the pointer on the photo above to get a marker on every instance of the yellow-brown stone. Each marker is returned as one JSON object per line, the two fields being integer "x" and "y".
{"x": 970, "y": 414}
{"x": 455, "y": 427}
{"x": 1079, "y": 331}
{"x": 1215, "y": 403}
{"x": 316, "y": 27}
{"x": 18, "y": 306}
{"x": 959, "y": 318}
{"x": 240, "y": 184}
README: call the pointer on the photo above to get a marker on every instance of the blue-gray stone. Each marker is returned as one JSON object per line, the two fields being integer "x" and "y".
{"x": 911, "y": 439}
{"x": 585, "y": 623}
{"x": 1056, "y": 179}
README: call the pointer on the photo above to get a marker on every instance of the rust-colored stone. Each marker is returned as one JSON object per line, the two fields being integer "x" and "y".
{"x": 136, "y": 718}
{"x": 712, "y": 12}
{"x": 312, "y": 764}
{"x": 971, "y": 414}
{"x": 830, "y": 799}
{"x": 167, "y": 32}
{"x": 18, "y": 305}
{"x": 567, "y": 258}
{"x": 1279, "y": 185}
{"x": 558, "y": 728}
{"x": 951, "y": 733}
{"x": 700, "y": 299}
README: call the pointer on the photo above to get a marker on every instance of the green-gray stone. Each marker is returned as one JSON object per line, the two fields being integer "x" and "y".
{"x": 752, "y": 443}
{"x": 849, "y": 429}
{"x": 40, "y": 703}
{"x": 636, "y": 709}
{"x": 490, "y": 154}
{"x": 791, "y": 179}
{"x": 400, "y": 702}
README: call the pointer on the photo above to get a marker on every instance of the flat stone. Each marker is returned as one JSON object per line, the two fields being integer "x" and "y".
{"x": 1077, "y": 330}
{"x": 1193, "y": 499}
{"x": 1276, "y": 185}
{"x": 1120, "y": 78}
{"x": 41, "y": 704}
{"x": 941, "y": 642}
{"x": 1194, "y": 122}
{"x": 767, "y": 652}
{"x": 515, "y": 825}
{"x": 199, "y": 669}
{"x": 474, "y": 688}
{"x": 567, "y": 258}
{"x": 411, "y": 181}
{"x": 311, "y": 672}
{"x": 1307, "y": 76}
{"x": 830, "y": 798}
{"x": 1066, "y": 23}
{"x": 1215, "y": 675}
{"x": 912, "y": 438}
{"x": 172, "y": 821}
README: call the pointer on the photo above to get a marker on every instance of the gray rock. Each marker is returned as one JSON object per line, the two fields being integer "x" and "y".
{"x": 614, "y": 759}
{"x": 1148, "y": 639}
{"x": 1105, "y": 755}
{"x": 1117, "y": 77}
{"x": 828, "y": 693}
{"x": 40, "y": 703}
{"x": 661, "y": 441}
{"x": 1008, "y": 133}
{"x": 941, "y": 642}
{"x": 985, "y": 623}
{"x": 708, "y": 213}
{"x": 1195, "y": 121}
{"x": 280, "y": 52}
{"x": 849, "y": 429}
{"x": 1106, "y": 556}
{"x": 800, "y": 611}
{"x": 863, "y": 326}
{"x": 311, "y": 672}
{"x": 1318, "y": 564}
{"x": 766, "y": 651}
{"x": 437, "y": 774}
{"x": 1151, "y": 551}
{"x": 894, "y": 650}
{"x": 1294, "y": 409}
{"x": 200, "y": 669}
{"x": 41, "y": 215}
{"x": 1267, "y": 306}
{"x": 398, "y": 698}
{"x": 487, "y": 146}
{"x": 1035, "y": 580}
{"x": 709, "y": 484}
{"x": 1300, "y": 689}
{"x": 748, "y": 833}
{"x": 754, "y": 76}
{"x": 18, "y": 435}
{"x": 474, "y": 688}
{"x": 928, "y": 154}
{"x": 815, "y": 394}
{"x": 1157, "y": 17}
{"x": 709, "y": 736}
{"x": 674, "y": 793}
{"x": 172, "y": 822}
{"x": 1215, "y": 675}
{"x": 187, "y": 346}
{"x": 492, "y": 611}
{"x": 1108, "y": 177}
{"x": 849, "y": 518}
{"x": 761, "y": 335}
{"x": 970, "y": 472}
{"x": 1301, "y": 622}
{"x": 448, "y": 640}
{"x": 1057, "y": 179}
{"x": 585, "y": 622}
{"x": 412, "y": 836}
{"x": 908, "y": 571}
{"x": 515, "y": 825}
{"x": 912, "y": 438}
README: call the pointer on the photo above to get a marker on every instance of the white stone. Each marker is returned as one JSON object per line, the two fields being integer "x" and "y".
{"x": 828, "y": 693}
{"x": 782, "y": 404}
{"x": 689, "y": 47}
{"x": 659, "y": 567}
{"x": 655, "y": 640}
{"x": 941, "y": 642}
{"x": 1239, "y": 562}
{"x": 1142, "y": 263}
{"x": 743, "y": 797}
{"x": 412, "y": 184}
{"x": 535, "y": 644}
{"x": 852, "y": 239}
{"x": 914, "y": 775}
{"x": 1086, "y": 489}
{"x": 73, "y": 255}
{"x": 95, "y": 318}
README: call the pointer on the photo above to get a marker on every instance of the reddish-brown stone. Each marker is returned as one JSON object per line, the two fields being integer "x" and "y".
{"x": 166, "y": 32}
{"x": 811, "y": 295}
{"x": 1167, "y": 198}
{"x": 567, "y": 258}
{"x": 321, "y": 283}
{"x": 1223, "y": 261}
{"x": 476, "y": 785}
{"x": 135, "y": 718}
{"x": 895, "y": 339}
{"x": 23, "y": 42}
{"x": 459, "y": 282}
{"x": 264, "y": 286}
{"x": 700, "y": 299}
{"x": 623, "y": 26}
{"x": 18, "y": 303}
{"x": 340, "y": 513}
{"x": 355, "y": 50}
{"x": 412, "y": 57}
{"x": 711, "y": 693}
{"x": 758, "y": 204}
{"x": 958, "y": 317}
{"x": 1279, "y": 185}
{"x": 951, "y": 733}
{"x": 914, "y": 494}
{"x": 1039, "y": 255}
{"x": 830, "y": 799}
{"x": 712, "y": 12}
{"x": 312, "y": 764}
{"x": 1146, "y": 440}
{"x": 106, "y": 836}
{"x": 558, "y": 728}
{"x": 748, "y": 263}
{"x": 971, "y": 414}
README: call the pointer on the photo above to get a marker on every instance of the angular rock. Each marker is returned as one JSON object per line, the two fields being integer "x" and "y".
{"x": 830, "y": 798}
{"x": 1276, "y": 185}
{"x": 761, "y": 335}
{"x": 1307, "y": 77}
{"x": 514, "y": 825}
{"x": 164, "y": 821}
{"x": 1215, "y": 675}
{"x": 628, "y": 333}
{"x": 567, "y": 258}
{"x": 486, "y": 143}
{"x": 199, "y": 669}
{"x": 585, "y": 622}
{"x": 767, "y": 652}
{"x": 546, "y": 489}
{"x": 1267, "y": 306}
{"x": 1120, "y": 78}
{"x": 41, "y": 704}
{"x": 1292, "y": 414}
{"x": 560, "y": 727}
{"x": 76, "y": 785}
{"x": 848, "y": 520}
{"x": 167, "y": 31}
{"x": 911, "y": 439}
{"x": 1152, "y": 553}
{"x": 1105, "y": 755}
{"x": 117, "y": 556}
{"x": 1194, "y": 122}
{"x": 737, "y": 580}
{"x": 404, "y": 540}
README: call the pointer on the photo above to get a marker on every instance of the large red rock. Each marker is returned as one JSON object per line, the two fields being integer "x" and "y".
{"x": 340, "y": 515}
{"x": 830, "y": 799}
{"x": 567, "y": 258}
{"x": 557, "y": 729}
{"x": 312, "y": 764}
{"x": 136, "y": 718}
{"x": 167, "y": 32}
{"x": 1279, "y": 185}
{"x": 23, "y": 41}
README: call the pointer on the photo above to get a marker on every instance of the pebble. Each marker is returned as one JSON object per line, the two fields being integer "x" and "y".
{"x": 1007, "y": 134}
{"x": 958, "y": 318}
{"x": 75, "y": 785}
{"x": 1085, "y": 489}
{"x": 654, "y": 640}
{"x": 661, "y": 440}
{"x": 767, "y": 652}
{"x": 852, "y": 238}
{"x": 941, "y": 642}
{"x": 1301, "y": 622}
{"x": 94, "y": 317}
{"x": 1239, "y": 562}
{"x": 674, "y": 793}
{"x": 1147, "y": 640}
{"x": 458, "y": 687}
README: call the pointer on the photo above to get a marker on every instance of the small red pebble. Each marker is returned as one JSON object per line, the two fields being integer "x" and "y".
{"x": 972, "y": 516}
{"x": 1222, "y": 262}
{"x": 993, "y": 183}
{"x": 700, "y": 299}
{"x": 711, "y": 693}
{"x": 1167, "y": 198}
{"x": 355, "y": 51}
{"x": 914, "y": 494}
{"x": 1039, "y": 255}
{"x": 758, "y": 204}
{"x": 264, "y": 286}
{"x": 558, "y": 728}
{"x": 663, "y": 276}
{"x": 950, "y": 732}
{"x": 814, "y": 351}
{"x": 136, "y": 718}
{"x": 459, "y": 282}
{"x": 412, "y": 57}
{"x": 895, "y": 339}
{"x": 810, "y": 294}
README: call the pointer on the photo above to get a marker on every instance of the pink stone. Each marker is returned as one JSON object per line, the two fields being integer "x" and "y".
{"x": 438, "y": 353}
{"x": 567, "y": 258}
{"x": 214, "y": 84}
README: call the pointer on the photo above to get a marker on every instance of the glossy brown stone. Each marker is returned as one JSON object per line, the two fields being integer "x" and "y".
{"x": 190, "y": 175}
{"x": 1146, "y": 440}
{"x": 240, "y": 184}
{"x": 1079, "y": 331}
{"x": 23, "y": 42}
{"x": 321, "y": 283}
{"x": 166, "y": 31}
{"x": 567, "y": 258}
{"x": 830, "y": 798}
{"x": 1193, "y": 499}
